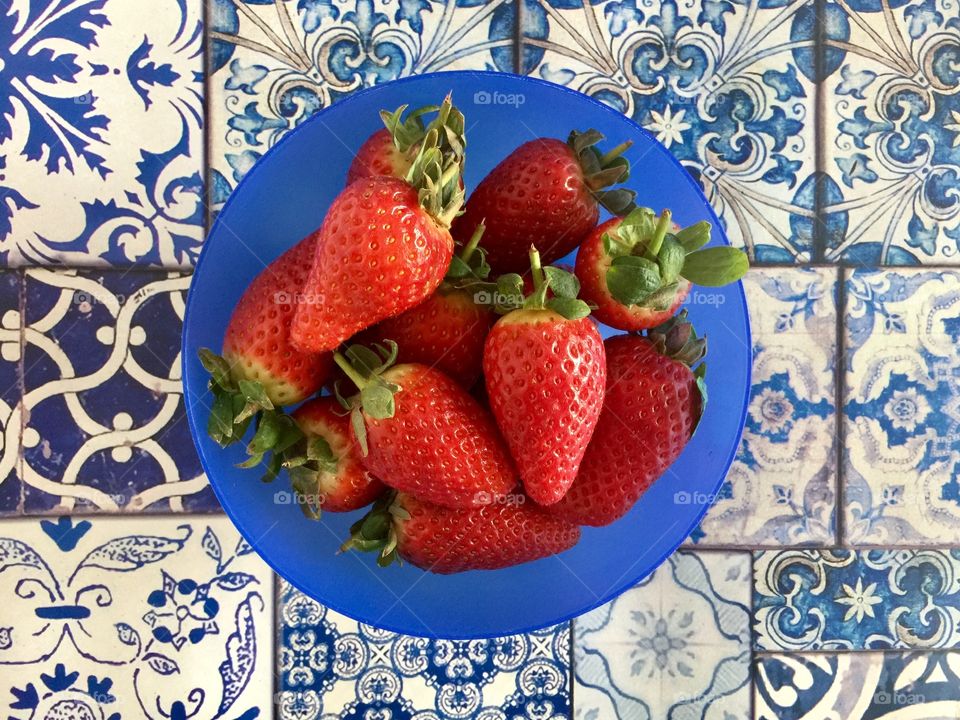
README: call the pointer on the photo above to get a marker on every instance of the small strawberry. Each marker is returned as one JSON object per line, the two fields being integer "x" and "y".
{"x": 546, "y": 193}
{"x": 443, "y": 540}
{"x": 636, "y": 272}
{"x": 447, "y": 330}
{"x": 260, "y": 367}
{"x": 392, "y": 150}
{"x": 544, "y": 368}
{"x": 424, "y": 434}
{"x": 652, "y": 406}
{"x": 385, "y": 243}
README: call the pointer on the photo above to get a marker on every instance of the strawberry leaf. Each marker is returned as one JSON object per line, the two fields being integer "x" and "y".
{"x": 715, "y": 266}
{"x": 671, "y": 259}
{"x": 563, "y": 283}
{"x": 220, "y": 422}
{"x": 694, "y": 237}
{"x": 218, "y": 368}
{"x": 569, "y": 308}
{"x": 359, "y": 430}
{"x": 377, "y": 401}
{"x": 632, "y": 279}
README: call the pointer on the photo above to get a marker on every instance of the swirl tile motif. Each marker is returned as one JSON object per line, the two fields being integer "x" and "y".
{"x": 858, "y": 686}
{"x": 10, "y": 490}
{"x": 334, "y": 668}
{"x": 780, "y": 489}
{"x": 727, "y": 87}
{"x": 104, "y": 423}
{"x": 677, "y": 645}
{"x": 116, "y": 620}
{"x": 856, "y": 600}
{"x": 902, "y": 407}
{"x": 892, "y": 131}
{"x": 274, "y": 64}
{"x": 101, "y": 117}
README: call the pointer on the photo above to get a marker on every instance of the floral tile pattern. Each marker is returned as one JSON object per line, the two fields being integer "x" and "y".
{"x": 113, "y": 619}
{"x": 676, "y": 645}
{"x": 858, "y": 686}
{"x": 275, "y": 64}
{"x": 891, "y": 131}
{"x": 10, "y": 417}
{"x": 902, "y": 407}
{"x": 332, "y": 667}
{"x": 101, "y": 147}
{"x": 781, "y": 488}
{"x": 727, "y": 87}
{"x": 106, "y": 428}
{"x": 856, "y": 599}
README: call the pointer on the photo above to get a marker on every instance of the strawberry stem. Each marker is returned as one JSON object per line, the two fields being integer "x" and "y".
{"x": 474, "y": 242}
{"x": 536, "y": 269}
{"x": 348, "y": 370}
{"x": 664, "y": 223}
{"x": 615, "y": 152}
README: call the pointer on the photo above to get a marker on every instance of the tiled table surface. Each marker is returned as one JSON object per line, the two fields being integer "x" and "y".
{"x": 825, "y": 581}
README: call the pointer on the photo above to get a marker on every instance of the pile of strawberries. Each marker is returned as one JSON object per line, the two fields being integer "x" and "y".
{"x": 471, "y": 397}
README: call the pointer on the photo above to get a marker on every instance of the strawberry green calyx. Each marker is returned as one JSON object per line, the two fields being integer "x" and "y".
{"x": 376, "y": 531}
{"x": 563, "y": 287}
{"x": 437, "y": 169}
{"x": 365, "y": 367}
{"x": 677, "y": 339}
{"x": 469, "y": 266}
{"x": 649, "y": 259}
{"x": 235, "y": 403}
{"x": 408, "y": 132}
{"x": 601, "y": 170}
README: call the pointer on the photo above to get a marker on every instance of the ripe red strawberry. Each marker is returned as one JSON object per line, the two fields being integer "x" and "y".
{"x": 545, "y": 370}
{"x": 446, "y": 331}
{"x": 652, "y": 405}
{"x": 392, "y": 150}
{"x": 385, "y": 243}
{"x": 260, "y": 367}
{"x": 424, "y": 434}
{"x": 636, "y": 273}
{"x": 546, "y": 193}
{"x": 444, "y": 540}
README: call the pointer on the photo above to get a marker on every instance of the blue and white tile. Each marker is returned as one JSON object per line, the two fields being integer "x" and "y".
{"x": 101, "y": 132}
{"x": 10, "y": 416}
{"x": 808, "y": 600}
{"x": 892, "y": 132}
{"x": 114, "y": 617}
{"x": 333, "y": 668}
{"x": 781, "y": 489}
{"x": 275, "y": 64}
{"x": 902, "y": 407}
{"x": 675, "y": 645}
{"x": 858, "y": 686}
{"x": 105, "y": 426}
{"x": 728, "y": 88}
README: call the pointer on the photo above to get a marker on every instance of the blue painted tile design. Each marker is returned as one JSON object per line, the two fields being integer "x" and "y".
{"x": 334, "y": 668}
{"x": 902, "y": 407}
{"x": 677, "y": 645}
{"x": 781, "y": 487}
{"x": 891, "y": 132}
{"x": 858, "y": 686}
{"x": 275, "y": 64}
{"x": 101, "y": 147}
{"x": 727, "y": 87}
{"x": 10, "y": 391}
{"x": 165, "y": 618}
{"x": 856, "y": 599}
{"x": 106, "y": 428}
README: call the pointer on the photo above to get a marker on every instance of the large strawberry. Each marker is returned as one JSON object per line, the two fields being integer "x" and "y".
{"x": 424, "y": 434}
{"x": 391, "y": 150}
{"x": 637, "y": 271}
{"x": 447, "y": 330}
{"x": 260, "y": 367}
{"x": 546, "y": 193}
{"x": 444, "y": 540}
{"x": 385, "y": 243}
{"x": 545, "y": 370}
{"x": 652, "y": 405}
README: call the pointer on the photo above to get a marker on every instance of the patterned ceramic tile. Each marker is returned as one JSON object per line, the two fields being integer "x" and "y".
{"x": 902, "y": 408}
{"x": 858, "y": 686}
{"x": 727, "y": 87}
{"x": 781, "y": 488}
{"x": 892, "y": 131}
{"x": 10, "y": 391}
{"x": 334, "y": 668}
{"x": 124, "y": 618}
{"x": 675, "y": 646}
{"x": 853, "y": 600}
{"x": 275, "y": 64}
{"x": 101, "y": 147}
{"x": 106, "y": 427}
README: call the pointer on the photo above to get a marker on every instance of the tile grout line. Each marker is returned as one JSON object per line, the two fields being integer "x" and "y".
{"x": 819, "y": 134}
{"x": 207, "y": 134}
{"x": 21, "y": 274}
{"x": 839, "y": 416}
{"x": 752, "y": 663}
{"x": 573, "y": 662}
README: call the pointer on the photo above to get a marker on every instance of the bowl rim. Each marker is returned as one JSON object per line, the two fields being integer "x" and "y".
{"x": 629, "y": 579}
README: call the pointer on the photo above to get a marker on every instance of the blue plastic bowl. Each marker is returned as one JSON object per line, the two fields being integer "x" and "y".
{"x": 284, "y": 197}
